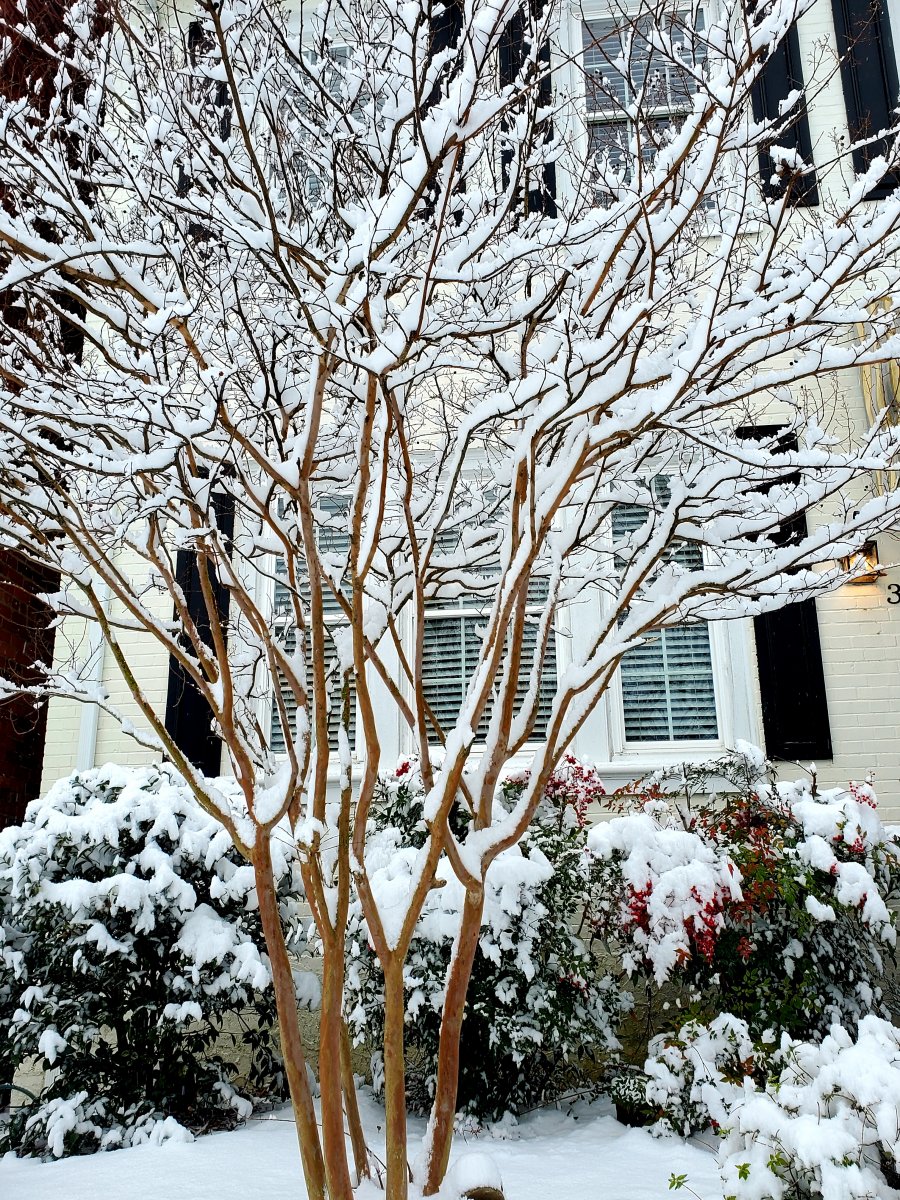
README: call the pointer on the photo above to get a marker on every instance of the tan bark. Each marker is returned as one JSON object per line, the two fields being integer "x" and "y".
{"x": 288, "y": 1023}
{"x": 443, "y": 1112}
{"x": 395, "y": 1082}
{"x": 337, "y": 1170}
{"x": 351, "y": 1108}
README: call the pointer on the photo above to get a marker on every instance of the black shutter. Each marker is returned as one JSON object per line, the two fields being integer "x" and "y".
{"x": 189, "y": 718}
{"x": 789, "y": 658}
{"x": 540, "y": 190}
{"x": 869, "y": 78}
{"x": 446, "y": 26}
{"x": 781, "y": 75}
{"x": 792, "y": 683}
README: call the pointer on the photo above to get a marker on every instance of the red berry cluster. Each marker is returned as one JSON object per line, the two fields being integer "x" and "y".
{"x": 576, "y": 783}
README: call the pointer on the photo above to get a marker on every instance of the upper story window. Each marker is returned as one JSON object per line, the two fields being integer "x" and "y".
{"x": 632, "y": 64}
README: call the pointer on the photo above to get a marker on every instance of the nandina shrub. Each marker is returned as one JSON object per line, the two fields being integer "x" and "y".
{"x": 538, "y": 1003}
{"x": 766, "y": 900}
{"x": 131, "y": 958}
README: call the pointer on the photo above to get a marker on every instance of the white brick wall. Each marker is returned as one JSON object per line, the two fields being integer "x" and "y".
{"x": 860, "y": 634}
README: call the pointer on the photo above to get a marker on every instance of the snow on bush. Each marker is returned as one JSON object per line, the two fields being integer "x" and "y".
{"x": 768, "y": 899}
{"x": 537, "y": 1002}
{"x": 693, "y": 1076}
{"x": 669, "y": 889}
{"x": 828, "y": 1127}
{"x": 130, "y": 941}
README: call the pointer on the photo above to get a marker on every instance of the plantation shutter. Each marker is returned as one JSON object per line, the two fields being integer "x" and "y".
{"x": 540, "y": 187}
{"x": 333, "y": 539}
{"x": 189, "y": 719}
{"x": 452, "y": 644}
{"x": 668, "y": 690}
{"x": 869, "y": 80}
{"x": 789, "y": 659}
{"x": 781, "y": 75}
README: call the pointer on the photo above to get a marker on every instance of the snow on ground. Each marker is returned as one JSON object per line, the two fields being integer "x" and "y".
{"x": 587, "y": 1155}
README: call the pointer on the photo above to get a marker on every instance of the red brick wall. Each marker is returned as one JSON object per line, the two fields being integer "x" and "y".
{"x": 24, "y": 639}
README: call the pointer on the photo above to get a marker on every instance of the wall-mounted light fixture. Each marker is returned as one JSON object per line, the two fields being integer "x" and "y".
{"x": 865, "y": 562}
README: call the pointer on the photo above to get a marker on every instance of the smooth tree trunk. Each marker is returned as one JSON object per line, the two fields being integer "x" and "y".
{"x": 331, "y": 1027}
{"x": 288, "y": 1021}
{"x": 443, "y": 1110}
{"x": 395, "y": 1082}
{"x": 351, "y": 1107}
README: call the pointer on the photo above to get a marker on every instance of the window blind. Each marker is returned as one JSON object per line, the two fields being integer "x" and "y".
{"x": 668, "y": 690}
{"x": 452, "y": 644}
{"x": 334, "y": 542}
{"x": 612, "y": 84}
{"x": 277, "y": 738}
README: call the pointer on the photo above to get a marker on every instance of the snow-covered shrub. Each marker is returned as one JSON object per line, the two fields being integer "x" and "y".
{"x": 768, "y": 899}
{"x": 828, "y": 1127}
{"x": 537, "y": 1003}
{"x": 132, "y": 957}
{"x": 694, "y": 1075}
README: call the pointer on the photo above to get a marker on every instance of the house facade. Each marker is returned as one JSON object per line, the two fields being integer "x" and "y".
{"x": 817, "y": 683}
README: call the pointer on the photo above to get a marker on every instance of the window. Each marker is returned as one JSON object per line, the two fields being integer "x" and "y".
{"x": 622, "y": 67}
{"x": 453, "y": 636}
{"x": 335, "y": 540}
{"x": 668, "y": 690}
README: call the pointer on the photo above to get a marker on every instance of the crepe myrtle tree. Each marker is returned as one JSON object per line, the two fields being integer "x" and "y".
{"x": 359, "y": 279}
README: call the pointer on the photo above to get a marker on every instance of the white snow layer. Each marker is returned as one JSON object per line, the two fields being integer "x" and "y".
{"x": 544, "y": 1154}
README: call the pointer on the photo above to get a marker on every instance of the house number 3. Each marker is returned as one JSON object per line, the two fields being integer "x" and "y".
{"x": 894, "y": 593}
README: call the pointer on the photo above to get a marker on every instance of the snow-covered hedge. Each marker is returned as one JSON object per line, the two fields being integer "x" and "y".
{"x": 131, "y": 955}
{"x": 537, "y": 1002}
{"x": 768, "y": 899}
{"x": 828, "y": 1127}
{"x": 822, "y": 1122}
{"x": 694, "y": 1075}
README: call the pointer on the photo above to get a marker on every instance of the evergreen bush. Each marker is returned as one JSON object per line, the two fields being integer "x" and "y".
{"x": 132, "y": 968}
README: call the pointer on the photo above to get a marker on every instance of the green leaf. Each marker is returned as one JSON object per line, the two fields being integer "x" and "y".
{"x": 676, "y": 1182}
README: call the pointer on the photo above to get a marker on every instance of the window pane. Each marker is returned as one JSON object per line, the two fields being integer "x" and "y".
{"x": 277, "y": 740}
{"x": 334, "y": 539}
{"x": 668, "y": 691}
{"x": 620, "y": 64}
{"x": 667, "y": 687}
{"x": 450, "y": 655}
